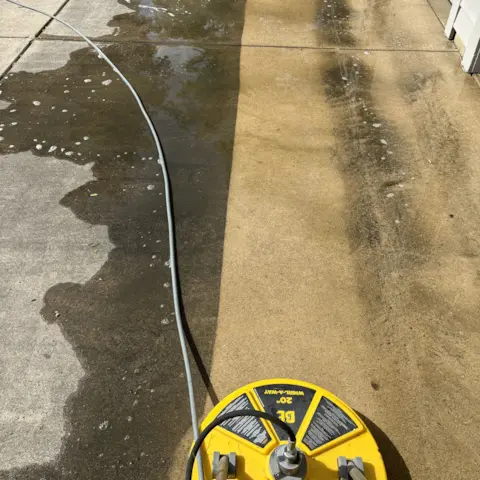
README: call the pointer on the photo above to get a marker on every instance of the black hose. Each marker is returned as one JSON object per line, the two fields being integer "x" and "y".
{"x": 227, "y": 416}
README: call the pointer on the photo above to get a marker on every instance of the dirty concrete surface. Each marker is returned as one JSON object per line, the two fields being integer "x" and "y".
{"x": 441, "y": 9}
{"x": 342, "y": 139}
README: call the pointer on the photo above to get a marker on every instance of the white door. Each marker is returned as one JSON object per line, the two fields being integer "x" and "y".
{"x": 464, "y": 21}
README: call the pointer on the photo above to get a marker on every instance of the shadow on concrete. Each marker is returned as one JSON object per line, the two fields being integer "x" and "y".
{"x": 394, "y": 463}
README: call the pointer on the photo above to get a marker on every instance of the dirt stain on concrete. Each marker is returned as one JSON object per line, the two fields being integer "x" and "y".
{"x": 370, "y": 161}
{"x": 385, "y": 239}
{"x": 333, "y": 23}
{"x": 398, "y": 182}
{"x": 131, "y": 409}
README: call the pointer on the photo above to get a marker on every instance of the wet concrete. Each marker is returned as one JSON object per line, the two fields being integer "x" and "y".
{"x": 218, "y": 21}
{"x": 130, "y": 410}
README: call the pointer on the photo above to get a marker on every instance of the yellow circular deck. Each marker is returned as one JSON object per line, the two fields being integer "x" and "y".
{"x": 326, "y": 429}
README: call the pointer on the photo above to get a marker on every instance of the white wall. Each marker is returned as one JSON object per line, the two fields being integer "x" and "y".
{"x": 464, "y": 21}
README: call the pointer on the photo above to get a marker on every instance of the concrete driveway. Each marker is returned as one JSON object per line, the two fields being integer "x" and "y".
{"x": 324, "y": 158}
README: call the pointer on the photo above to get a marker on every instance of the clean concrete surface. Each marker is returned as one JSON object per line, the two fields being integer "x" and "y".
{"x": 120, "y": 398}
{"x": 90, "y": 17}
{"x": 10, "y": 48}
{"x": 349, "y": 258}
{"x": 20, "y": 22}
{"x": 49, "y": 245}
{"x": 18, "y": 26}
{"x": 44, "y": 57}
{"x": 39, "y": 367}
